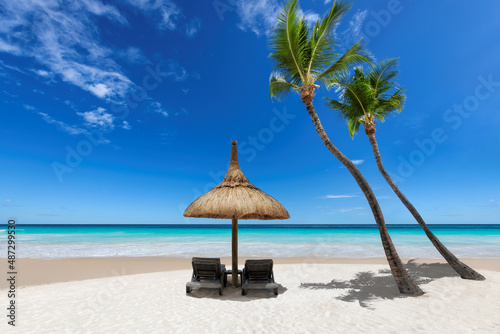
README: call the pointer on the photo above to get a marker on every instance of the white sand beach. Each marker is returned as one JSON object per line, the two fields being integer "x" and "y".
{"x": 314, "y": 297}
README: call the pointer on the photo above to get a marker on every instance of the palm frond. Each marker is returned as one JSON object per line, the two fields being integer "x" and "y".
{"x": 353, "y": 126}
{"x": 392, "y": 105}
{"x": 355, "y": 92}
{"x": 382, "y": 74}
{"x": 289, "y": 41}
{"x": 356, "y": 55}
{"x": 279, "y": 86}
{"x": 322, "y": 44}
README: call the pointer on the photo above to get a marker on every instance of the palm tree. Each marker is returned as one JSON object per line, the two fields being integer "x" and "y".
{"x": 303, "y": 58}
{"x": 365, "y": 98}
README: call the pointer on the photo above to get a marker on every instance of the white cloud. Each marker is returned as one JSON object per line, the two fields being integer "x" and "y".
{"x": 357, "y": 162}
{"x": 29, "y": 107}
{"x": 312, "y": 18}
{"x": 134, "y": 55}
{"x": 99, "y": 90}
{"x": 13, "y": 68}
{"x": 9, "y": 48}
{"x": 257, "y": 16}
{"x": 350, "y": 209}
{"x": 165, "y": 12}
{"x": 126, "y": 125}
{"x": 42, "y": 73}
{"x": 157, "y": 108}
{"x": 72, "y": 130}
{"x": 193, "y": 27}
{"x": 98, "y": 118}
{"x": 175, "y": 71}
{"x": 63, "y": 38}
{"x": 339, "y": 196}
{"x": 98, "y": 8}
{"x": 354, "y": 33}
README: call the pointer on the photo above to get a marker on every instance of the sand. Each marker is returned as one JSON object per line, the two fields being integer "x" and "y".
{"x": 147, "y": 295}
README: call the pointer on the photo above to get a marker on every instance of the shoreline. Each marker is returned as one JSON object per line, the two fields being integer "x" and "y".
{"x": 33, "y": 272}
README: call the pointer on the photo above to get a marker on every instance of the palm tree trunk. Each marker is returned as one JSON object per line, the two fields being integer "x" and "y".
{"x": 461, "y": 268}
{"x": 404, "y": 282}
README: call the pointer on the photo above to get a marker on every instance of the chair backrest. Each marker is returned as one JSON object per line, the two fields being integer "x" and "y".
{"x": 206, "y": 269}
{"x": 258, "y": 270}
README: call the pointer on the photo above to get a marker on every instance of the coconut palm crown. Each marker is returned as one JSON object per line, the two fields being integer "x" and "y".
{"x": 365, "y": 97}
{"x": 304, "y": 56}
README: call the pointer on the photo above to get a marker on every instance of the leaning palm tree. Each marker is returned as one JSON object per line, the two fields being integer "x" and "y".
{"x": 303, "y": 58}
{"x": 367, "y": 97}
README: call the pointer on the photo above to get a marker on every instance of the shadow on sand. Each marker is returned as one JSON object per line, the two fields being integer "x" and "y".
{"x": 367, "y": 286}
{"x": 234, "y": 294}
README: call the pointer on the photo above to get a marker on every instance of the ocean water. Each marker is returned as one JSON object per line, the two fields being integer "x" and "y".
{"x": 262, "y": 240}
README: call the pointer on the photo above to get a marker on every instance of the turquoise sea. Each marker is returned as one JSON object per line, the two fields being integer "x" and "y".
{"x": 329, "y": 241}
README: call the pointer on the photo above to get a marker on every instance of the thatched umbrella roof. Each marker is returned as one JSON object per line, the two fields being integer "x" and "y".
{"x": 236, "y": 197}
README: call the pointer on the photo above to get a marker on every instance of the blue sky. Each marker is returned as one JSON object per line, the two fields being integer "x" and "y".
{"x": 123, "y": 111}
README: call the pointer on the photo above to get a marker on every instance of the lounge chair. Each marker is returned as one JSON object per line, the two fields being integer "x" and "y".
{"x": 207, "y": 273}
{"x": 258, "y": 274}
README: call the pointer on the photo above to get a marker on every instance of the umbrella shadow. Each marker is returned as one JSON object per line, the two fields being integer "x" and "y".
{"x": 234, "y": 294}
{"x": 367, "y": 285}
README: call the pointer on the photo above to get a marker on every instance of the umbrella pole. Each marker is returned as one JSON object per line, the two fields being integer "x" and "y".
{"x": 234, "y": 274}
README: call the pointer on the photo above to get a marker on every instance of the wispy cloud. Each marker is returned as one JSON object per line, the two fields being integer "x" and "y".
{"x": 157, "y": 108}
{"x": 311, "y": 17}
{"x": 357, "y": 162}
{"x": 126, "y": 125}
{"x": 175, "y": 71}
{"x": 29, "y": 107}
{"x": 192, "y": 27}
{"x": 350, "y": 209}
{"x": 42, "y": 73}
{"x": 339, "y": 196}
{"x": 354, "y": 32}
{"x": 345, "y": 210}
{"x": 100, "y": 9}
{"x": 98, "y": 118}
{"x": 133, "y": 55}
{"x": 70, "y": 129}
{"x": 62, "y": 38}
{"x": 165, "y": 12}
{"x": 257, "y": 16}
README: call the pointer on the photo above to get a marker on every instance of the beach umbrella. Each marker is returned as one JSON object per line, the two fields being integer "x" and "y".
{"x": 236, "y": 198}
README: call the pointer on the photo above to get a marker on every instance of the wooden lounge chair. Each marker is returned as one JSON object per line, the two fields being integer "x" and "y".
{"x": 207, "y": 273}
{"x": 258, "y": 274}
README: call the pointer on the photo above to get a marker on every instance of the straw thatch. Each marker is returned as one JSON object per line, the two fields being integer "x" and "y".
{"x": 236, "y": 197}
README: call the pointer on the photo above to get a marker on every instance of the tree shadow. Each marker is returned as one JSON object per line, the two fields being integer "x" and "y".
{"x": 367, "y": 285}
